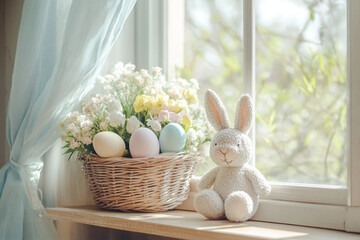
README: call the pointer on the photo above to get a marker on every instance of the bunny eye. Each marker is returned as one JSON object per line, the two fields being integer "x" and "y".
{"x": 238, "y": 145}
{"x": 215, "y": 144}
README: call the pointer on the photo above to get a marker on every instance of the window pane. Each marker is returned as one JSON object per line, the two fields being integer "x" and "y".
{"x": 214, "y": 52}
{"x": 301, "y": 90}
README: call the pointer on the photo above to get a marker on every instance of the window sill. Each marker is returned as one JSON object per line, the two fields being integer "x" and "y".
{"x": 190, "y": 225}
{"x": 294, "y": 203}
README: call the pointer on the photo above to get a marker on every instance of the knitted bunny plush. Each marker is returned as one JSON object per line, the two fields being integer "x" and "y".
{"x": 236, "y": 184}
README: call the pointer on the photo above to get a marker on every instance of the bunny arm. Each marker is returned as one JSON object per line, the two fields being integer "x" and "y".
{"x": 258, "y": 181}
{"x": 208, "y": 179}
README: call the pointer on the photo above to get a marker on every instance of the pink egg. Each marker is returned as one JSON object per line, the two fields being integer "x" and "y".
{"x": 143, "y": 143}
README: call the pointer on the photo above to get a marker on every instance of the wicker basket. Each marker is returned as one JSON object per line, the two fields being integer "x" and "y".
{"x": 151, "y": 184}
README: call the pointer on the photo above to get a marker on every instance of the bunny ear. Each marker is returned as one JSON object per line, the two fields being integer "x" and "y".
{"x": 215, "y": 111}
{"x": 244, "y": 114}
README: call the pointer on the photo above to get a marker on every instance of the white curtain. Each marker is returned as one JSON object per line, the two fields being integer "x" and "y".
{"x": 54, "y": 68}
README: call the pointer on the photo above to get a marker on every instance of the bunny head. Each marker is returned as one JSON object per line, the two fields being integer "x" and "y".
{"x": 230, "y": 147}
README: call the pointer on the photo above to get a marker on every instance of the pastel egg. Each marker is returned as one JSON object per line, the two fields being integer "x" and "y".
{"x": 108, "y": 144}
{"x": 143, "y": 143}
{"x": 172, "y": 138}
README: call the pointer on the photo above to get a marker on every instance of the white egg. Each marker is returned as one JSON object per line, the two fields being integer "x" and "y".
{"x": 108, "y": 144}
{"x": 143, "y": 143}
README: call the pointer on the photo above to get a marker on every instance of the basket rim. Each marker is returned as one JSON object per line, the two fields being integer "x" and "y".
{"x": 95, "y": 157}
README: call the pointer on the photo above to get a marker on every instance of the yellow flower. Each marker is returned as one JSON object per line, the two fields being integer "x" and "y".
{"x": 140, "y": 103}
{"x": 155, "y": 111}
{"x": 190, "y": 95}
{"x": 178, "y": 106}
{"x": 186, "y": 121}
{"x": 181, "y": 104}
{"x": 150, "y": 103}
{"x": 172, "y": 104}
{"x": 162, "y": 98}
{"x": 137, "y": 104}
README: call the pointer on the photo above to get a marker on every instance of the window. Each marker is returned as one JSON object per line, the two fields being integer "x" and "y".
{"x": 213, "y": 50}
{"x": 300, "y": 80}
{"x": 298, "y": 58}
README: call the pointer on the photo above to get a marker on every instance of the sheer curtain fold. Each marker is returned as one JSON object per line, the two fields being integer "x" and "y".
{"x": 47, "y": 83}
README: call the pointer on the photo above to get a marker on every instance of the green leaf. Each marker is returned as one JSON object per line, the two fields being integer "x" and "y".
{"x": 313, "y": 82}
{"x": 312, "y": 15}
{"x": 272, "y": 117}
{"x": 186, "y": 129}
{"x": 308, "y": 85}
{"x": 260, "y": 119}
{"x": 307, "y": 140}
{"x": 272, "y": 128}
{"x": 207, "y": 140}
{"x": 71, "y": 155}
{"x": 321, "y": 62}
{"x": 343, "y": 117}
{"x": 69, "y": 151}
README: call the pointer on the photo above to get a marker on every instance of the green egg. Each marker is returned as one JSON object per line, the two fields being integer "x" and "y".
{"x": 172, "y": 138}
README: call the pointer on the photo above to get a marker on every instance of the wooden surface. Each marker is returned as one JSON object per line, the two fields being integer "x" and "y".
{"x": 191, "y": 225}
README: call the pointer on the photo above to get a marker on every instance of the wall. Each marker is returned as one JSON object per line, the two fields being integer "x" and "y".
{"x": 9, "y": 27}
{"x": 2, "y": 79}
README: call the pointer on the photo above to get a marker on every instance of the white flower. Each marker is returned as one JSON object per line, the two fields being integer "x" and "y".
{"x": 127, "y": 74}
{"x": 144, "y": 73}
{"x": 97, "y": 99}
{"x": 74, "y": 145}
{"x": 86, "y": 125}
{"x": 163, "y": 116}
{"x": 85, "y": 140}
{"x": 119, "y": 66}
{"x": 194, "y": 83}
{"x": 86, "y": 134}
{"x": 191, "y": 134}
{"x": 139, "y": 81}
{"x": 200, "y": 135}
{"x": 154, "y": 124}
{"x": 71, "y": 128}
{"x": 108, "y": 77}
{"x": 165, "y": 107}
{"x": 205, "y": 148}
{"x": 103, "y": 126}
{"x": 120, "y": 85}
{"x": 116, "y": 119}
{"x": 117, "y": 70}
{"x": 132, "y": 124}
{"x": 65, "y": 138}
{"x": 74, "y": 115}
{"x": 174, "y": 92}
{"x": 129, "y": 67}
{"x": 114, "y": 105}
{"x": 156, "y": 71}
{"x": 193, "y": 148}
{"x": 76, "y": 133}
{"x": 174, "y": 117}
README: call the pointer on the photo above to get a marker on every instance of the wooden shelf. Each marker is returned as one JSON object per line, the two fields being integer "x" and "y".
{"x": 191, "y": 225}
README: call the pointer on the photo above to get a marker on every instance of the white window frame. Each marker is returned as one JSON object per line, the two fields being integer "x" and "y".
{"x": 160, "y": 42}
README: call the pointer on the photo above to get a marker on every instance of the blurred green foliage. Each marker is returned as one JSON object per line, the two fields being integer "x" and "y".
{"x": 300, "y": 83}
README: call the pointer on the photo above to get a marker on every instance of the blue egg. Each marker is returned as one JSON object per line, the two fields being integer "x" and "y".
{"x": 172, "y": 138}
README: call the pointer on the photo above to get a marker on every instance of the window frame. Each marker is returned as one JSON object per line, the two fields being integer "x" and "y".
{"x": 159, "y": 42}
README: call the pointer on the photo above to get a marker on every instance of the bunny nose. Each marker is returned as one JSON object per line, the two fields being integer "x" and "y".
{"x": 223, "y": 152}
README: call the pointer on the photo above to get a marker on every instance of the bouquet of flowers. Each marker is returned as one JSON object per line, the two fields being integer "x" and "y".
{"x": 137, "y": 99}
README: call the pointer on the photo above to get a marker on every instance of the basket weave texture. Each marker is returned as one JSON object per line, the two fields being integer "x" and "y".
{"x": 151, "y": 184}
